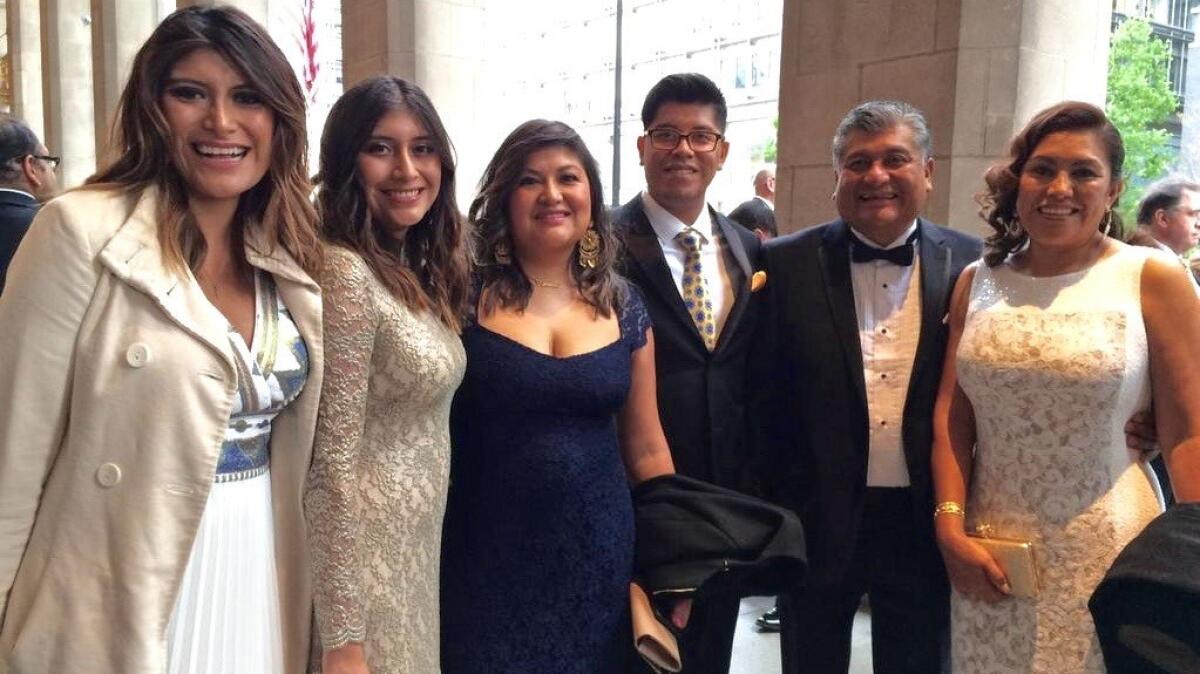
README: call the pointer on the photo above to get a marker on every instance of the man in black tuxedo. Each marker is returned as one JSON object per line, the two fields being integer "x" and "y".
{"x": 26, "y": 180}
{"x": 694, "y": 267}
{"x": 851, "y": 343}
{"x": 758, "y": 214}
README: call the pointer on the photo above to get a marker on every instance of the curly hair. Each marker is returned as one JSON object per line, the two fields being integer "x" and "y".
{"x": 508, "y": 286}
{"x": 141, "y": 148}
{"x": 429, "y": 270}
{"x": 998, "y": 201}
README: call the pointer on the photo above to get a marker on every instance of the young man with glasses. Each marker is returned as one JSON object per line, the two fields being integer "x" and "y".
{"x": 694, "y": 267}
{"x": 27, "y": 180}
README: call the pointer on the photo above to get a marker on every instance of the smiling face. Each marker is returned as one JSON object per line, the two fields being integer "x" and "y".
{"x": 882, "y": 182}
{"x": 221, "y": 129}
{"x": 678, "y": 179}
{"x": 400, "y": 170}
{"x": 1065, "y": 188}
{"x": 551, "y": 207}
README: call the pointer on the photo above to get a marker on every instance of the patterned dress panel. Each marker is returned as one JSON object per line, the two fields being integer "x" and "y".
{"x": 380, "y": 473}
{"x": 271, "y": 373}
{"x": 1053, "y": 368}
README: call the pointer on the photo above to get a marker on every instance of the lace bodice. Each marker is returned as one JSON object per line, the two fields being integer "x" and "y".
{"x": 381, "y": 463}
{"x": 1053, "y": 368}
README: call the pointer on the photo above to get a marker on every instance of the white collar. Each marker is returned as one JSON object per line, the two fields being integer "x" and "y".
{"x": 667, "y": 227}
{"x": 895, "y": 244}
{"x": 9, "y": 189}
{"x": 768, "y": 202}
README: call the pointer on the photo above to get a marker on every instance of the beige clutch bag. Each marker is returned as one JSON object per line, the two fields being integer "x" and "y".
{"x": 1017, "y": 560}
{"x": 653, "y": 641}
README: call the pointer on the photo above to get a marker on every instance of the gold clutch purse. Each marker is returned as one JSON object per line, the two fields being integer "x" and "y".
{"x": 653, "y": 641}
{"x": 1015, "y": 557}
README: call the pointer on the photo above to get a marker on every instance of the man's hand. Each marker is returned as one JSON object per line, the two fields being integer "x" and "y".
{"x": 1141, "y": 434}
{"x": 681, "y": 612}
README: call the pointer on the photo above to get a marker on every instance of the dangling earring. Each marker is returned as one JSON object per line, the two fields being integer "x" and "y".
{"x": 1108, "y": 219}
{"x": 501, "y": 253}
{"x": 589, "y": 249}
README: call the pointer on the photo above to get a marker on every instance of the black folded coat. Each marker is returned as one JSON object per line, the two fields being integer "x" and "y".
{"x": 1147, "y": 608}
{"x": 694, "y": 536}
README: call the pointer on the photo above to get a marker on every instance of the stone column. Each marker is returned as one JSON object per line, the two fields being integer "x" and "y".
{"x": 119, "y": 29}
{"x": 67, "y": 78}
{"x": 978, "y": 69}
{"x": 437, "y": 44}
{"x": 25, "y": 58}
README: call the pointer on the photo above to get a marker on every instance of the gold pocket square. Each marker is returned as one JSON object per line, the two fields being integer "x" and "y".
{"x": 757, "y": 281}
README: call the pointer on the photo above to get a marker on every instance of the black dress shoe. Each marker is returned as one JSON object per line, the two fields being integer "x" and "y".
{"x": 769, "y": 621}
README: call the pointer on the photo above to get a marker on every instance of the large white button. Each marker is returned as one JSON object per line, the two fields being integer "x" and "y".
{"x": 108, "y": 475}
{"x": 138, "y": 355}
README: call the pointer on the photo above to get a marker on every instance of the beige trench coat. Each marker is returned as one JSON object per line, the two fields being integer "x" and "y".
{"x": 116, "y": 383}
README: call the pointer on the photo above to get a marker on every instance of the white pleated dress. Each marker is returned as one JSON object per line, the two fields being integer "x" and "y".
{"x": 226, "y": 618}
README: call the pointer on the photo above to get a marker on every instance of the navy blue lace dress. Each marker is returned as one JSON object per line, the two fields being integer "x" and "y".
{"x": 537, "y": 546}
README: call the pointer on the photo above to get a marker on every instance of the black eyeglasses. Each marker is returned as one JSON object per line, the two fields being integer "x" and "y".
{"x": 49, "y": 159}
{"x": 699, "y": 141}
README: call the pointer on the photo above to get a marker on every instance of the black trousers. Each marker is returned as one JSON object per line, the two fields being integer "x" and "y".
{"x": 908, "y": 592}
{"x": 706, "y": 646}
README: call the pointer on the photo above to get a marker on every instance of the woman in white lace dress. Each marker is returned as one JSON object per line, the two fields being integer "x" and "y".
{"x": 1057, "y": 337}
{"x": 395, "y": 285}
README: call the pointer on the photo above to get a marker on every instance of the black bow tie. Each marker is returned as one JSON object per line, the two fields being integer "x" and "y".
{"x": 900, "y": 255}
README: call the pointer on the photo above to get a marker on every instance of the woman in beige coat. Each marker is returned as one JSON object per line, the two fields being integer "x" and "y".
{"x": 160, "y": 367}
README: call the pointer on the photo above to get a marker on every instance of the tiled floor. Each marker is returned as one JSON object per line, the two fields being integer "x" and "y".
{"x": 758, "y": 653}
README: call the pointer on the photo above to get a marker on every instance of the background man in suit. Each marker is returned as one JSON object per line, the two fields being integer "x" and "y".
{"x": 758, "y": 214}
{"x": 694, "y": 267}
{"x": 852, "y": 342}
{"x": 26, "y": 180}
{"x": 1170, "y": 214}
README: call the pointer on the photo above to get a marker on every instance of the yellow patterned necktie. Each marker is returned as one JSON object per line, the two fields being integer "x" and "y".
{"x": 695, "y": 290}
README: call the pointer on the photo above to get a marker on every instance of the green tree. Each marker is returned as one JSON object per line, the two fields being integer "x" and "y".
{"x": 767, "y": 151}
{"x": 1140, "y": 100}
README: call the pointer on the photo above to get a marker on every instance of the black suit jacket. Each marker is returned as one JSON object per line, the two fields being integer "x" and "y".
{"x": 754, "y": 214}
{"x": 811, "y": 409}
{"x": 701, "y": 394}
{"x": 16, "y": 212}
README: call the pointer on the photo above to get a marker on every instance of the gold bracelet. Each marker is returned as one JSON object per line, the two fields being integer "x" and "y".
{"x": 949, "y": 508}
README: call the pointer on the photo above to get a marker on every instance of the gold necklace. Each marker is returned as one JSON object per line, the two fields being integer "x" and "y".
{"x": 543, "y": 284}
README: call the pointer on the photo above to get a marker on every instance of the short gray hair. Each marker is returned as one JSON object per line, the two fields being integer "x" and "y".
{"x": 875, "y": 117}
{"x": 17, "y": 141}
{"x": 1163, "y": 195}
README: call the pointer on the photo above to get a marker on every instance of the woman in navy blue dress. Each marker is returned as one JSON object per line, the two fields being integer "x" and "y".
{"x": 555, "y": 419}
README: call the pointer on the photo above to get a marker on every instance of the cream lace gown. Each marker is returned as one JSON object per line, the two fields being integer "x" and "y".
{"x": 381, "y": 463}
{"x": 1053, "y": 368}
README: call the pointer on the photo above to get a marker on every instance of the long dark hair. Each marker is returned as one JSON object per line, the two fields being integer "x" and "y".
{"x": 428, "y": 271}
{"x": 506, "y": 282}
{"x": 998, "y": 202}
{"x": 141, "y": 146}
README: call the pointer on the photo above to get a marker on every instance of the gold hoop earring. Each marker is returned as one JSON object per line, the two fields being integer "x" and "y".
{"x": 589, "y": 249}
{"x": 1108, "y": 220}
{"x": 501, "y": 253}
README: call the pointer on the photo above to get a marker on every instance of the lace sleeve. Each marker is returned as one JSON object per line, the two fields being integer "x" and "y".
{"x": 331, "y": 499}
{"x": 634, "y": 319}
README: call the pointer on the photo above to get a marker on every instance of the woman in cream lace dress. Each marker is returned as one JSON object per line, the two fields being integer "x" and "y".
{"x": 394, "y": 285}
{"x": 1056, "y": 339}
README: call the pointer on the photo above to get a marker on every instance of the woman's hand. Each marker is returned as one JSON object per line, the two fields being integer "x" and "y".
{"x": 348, "y": 659}
{"x": 972, "y": 569}
{"x": 681, "y": 611}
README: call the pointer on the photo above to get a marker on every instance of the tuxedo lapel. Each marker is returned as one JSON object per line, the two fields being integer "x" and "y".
{"x": 740, "y": 282}
{"x": 643, "y": 246}
{"x": 834, "y": 256}
{"x": 936, "y": 262}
